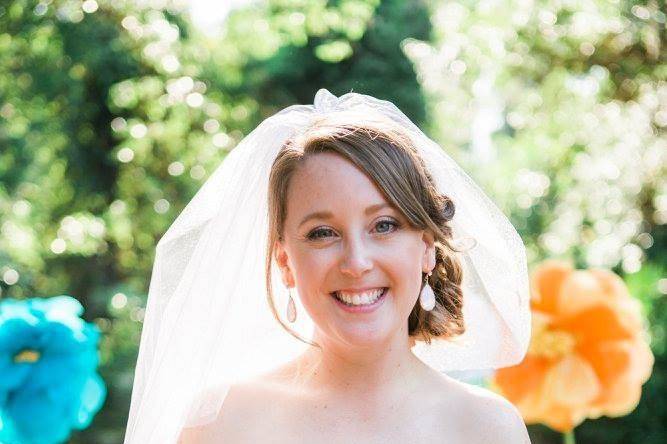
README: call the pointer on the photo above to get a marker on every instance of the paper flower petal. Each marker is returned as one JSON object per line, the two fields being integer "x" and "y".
{"x": 588, "y": 354}
{"x": 48, "y": 362}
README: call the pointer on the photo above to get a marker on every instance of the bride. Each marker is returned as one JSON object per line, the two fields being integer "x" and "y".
{"x": 352, "y": 210}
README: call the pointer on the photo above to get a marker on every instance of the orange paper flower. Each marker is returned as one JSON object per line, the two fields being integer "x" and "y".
{"x": 587, "y": 356}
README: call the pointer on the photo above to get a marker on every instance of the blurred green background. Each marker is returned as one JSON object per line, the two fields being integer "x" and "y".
{"x": 113, "y": 113}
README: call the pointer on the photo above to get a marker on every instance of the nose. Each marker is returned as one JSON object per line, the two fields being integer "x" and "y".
{"x": 356, "y": 260}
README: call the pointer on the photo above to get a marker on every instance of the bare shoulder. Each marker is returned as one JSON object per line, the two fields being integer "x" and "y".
{"x": 241, "y": 407}
{"x": 249, "y": 409}
{"x": 487, "y": 417}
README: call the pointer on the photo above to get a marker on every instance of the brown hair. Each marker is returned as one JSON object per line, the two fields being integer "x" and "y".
{"x": 380, "y": 149}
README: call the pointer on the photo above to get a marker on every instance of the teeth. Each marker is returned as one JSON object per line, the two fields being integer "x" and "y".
{"x": 365, "y": 298}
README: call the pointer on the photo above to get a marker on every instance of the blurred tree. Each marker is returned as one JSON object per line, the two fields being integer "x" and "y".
{"x": 304, "y": 46}
{"x": 99, "y": 118}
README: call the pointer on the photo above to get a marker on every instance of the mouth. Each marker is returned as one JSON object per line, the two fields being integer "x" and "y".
{"x": 365, "y": 301}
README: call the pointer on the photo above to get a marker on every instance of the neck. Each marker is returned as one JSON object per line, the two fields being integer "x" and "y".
{"x": 368, "y": 374}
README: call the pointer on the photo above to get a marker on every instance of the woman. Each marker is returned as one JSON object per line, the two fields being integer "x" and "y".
{"x": 358, "y": 224}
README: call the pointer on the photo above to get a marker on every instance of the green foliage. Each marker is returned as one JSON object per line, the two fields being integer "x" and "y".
{"x": 342, "y": 46}
{"x": 540, "y": 92}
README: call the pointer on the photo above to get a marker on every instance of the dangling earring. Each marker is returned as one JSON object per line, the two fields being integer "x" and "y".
{"x": 291, "y": 308}
{"x": 427, "y": 297}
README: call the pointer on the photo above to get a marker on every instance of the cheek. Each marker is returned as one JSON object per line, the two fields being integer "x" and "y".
{"x": 406, "y": 269}
{"x": 311, "y": 273}
{"x": 311, "y": 268}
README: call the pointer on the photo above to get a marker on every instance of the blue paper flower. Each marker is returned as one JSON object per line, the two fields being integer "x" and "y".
{"x": 48, "y": 361}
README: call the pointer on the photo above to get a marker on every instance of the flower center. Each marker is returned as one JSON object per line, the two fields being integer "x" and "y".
{"x": 29, "y": 356}
{"x": 551, "y": 343}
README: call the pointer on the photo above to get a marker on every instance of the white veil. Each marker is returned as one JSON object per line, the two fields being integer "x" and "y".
{"x": 207, "y": 321}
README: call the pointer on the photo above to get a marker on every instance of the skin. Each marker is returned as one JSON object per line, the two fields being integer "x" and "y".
{"x": 353, "y": 249}
{"x": 364, "y": 384}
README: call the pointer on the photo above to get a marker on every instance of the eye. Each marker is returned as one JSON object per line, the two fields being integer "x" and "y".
{"x": 388, "y": 222}
{"x": 314, "y": 235}
{"x": 321, "y": 233}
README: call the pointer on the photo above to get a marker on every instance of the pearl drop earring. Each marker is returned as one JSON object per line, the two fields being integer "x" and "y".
{"x": 427, "y": 297}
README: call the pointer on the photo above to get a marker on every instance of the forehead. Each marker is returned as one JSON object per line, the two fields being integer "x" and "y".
{"x": 329, "y": 182}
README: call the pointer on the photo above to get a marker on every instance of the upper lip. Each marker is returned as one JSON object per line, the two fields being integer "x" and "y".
{"x": 358, "y": 290}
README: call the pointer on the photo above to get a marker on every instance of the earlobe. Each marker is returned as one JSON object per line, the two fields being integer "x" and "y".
{"x": 429, "y": 251}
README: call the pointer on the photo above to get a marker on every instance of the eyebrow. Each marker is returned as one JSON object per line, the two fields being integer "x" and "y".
{"x": 329, "y": 215}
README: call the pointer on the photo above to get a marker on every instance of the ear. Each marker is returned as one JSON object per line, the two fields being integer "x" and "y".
{"x": 280, "y": 254}
{"x": 428, "y": 259}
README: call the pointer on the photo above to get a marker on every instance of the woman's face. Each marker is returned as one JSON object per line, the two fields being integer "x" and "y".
{"x": 341, "y": 235}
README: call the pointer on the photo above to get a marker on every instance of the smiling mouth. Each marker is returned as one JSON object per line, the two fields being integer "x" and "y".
{"x": 366, "y": 299}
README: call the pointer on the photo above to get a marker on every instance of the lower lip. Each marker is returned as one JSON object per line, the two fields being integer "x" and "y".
{"x": 362, "y": 308}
